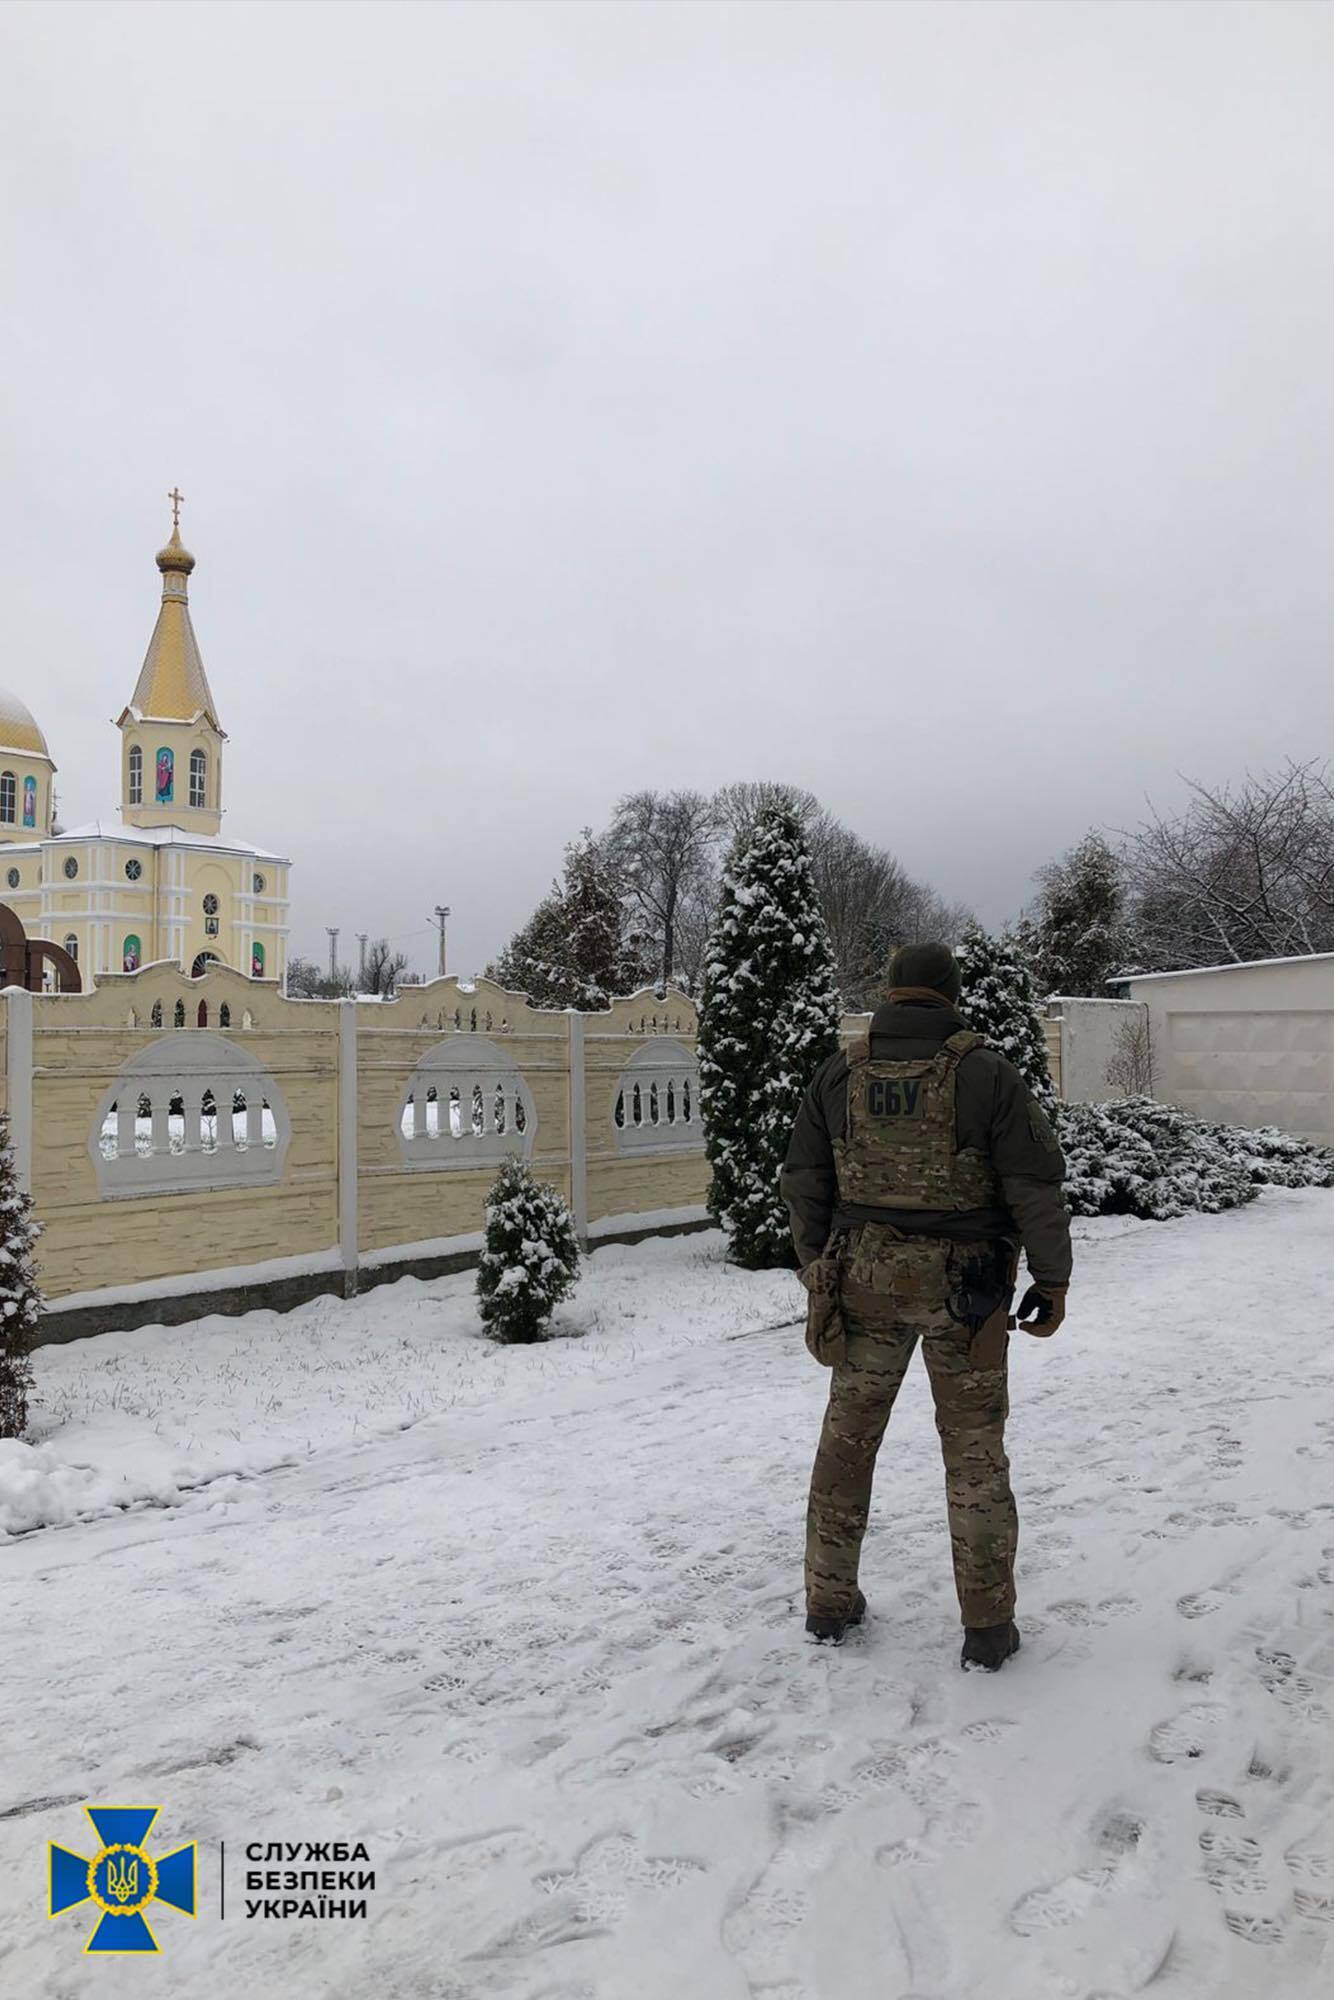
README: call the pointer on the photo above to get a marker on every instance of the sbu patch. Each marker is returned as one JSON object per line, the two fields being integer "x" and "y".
{"x": 895, "y": 1097}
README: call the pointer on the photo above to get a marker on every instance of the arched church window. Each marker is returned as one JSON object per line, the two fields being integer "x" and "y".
{"x": 198, "y": 778}
{"x": 136, "y": 775}
{"x": 72, "y": 947}
{"x": 256, "y": 960}
{"x": 164, "y": 780}
{"x": 9, "y": 797}
{"x": 132, "y": 952}
{"x": 30, "y": 801}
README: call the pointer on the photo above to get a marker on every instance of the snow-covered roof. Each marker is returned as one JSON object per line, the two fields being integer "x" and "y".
{"x": 162, "y": 836}
{"x": 1239, "y": 965}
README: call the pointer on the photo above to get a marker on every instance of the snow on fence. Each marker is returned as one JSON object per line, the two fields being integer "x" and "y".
{"x": 189, "y": 1136}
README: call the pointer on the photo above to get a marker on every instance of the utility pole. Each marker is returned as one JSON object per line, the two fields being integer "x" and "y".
{"x": 333, "y": 951}
{"x": 361, "y": 973}
{"x": 442, "y": 918}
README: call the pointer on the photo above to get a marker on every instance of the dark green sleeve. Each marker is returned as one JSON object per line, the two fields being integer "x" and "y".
{"x": 1027, "y": 1155}
{"x": 809, "y": 1181}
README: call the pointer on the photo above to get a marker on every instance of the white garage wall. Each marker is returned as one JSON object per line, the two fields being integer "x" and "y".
{"x": 1248, "y": 1044}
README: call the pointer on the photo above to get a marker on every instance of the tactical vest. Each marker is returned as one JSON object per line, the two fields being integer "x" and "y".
{"x": 900, "y": 1148}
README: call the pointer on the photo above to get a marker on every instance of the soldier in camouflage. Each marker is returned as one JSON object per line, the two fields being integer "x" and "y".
{"x": 919, "y": 1164}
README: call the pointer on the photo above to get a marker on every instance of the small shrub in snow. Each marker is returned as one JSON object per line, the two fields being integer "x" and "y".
{"x": 1139, "y": 1157}
{"x": 531, "y": 1259}
{"x": 998, "y": 1001}
{"x": 20, "y": 1300}
{"x": 768, "y": 1018}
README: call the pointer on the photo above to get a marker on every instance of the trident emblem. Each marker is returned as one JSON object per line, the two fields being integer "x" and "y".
{"x": 123, "y": 1881}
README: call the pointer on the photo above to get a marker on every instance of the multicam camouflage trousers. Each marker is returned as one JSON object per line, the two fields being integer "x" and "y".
{"x": 893, "y": 1292}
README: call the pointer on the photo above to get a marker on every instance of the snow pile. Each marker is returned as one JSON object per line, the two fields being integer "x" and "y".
{"x": 38, "y": 1489}
{"x": 1139, "y": 1157}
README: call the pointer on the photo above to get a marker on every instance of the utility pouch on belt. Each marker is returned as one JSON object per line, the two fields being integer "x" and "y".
{"x": 826, "y": 1335}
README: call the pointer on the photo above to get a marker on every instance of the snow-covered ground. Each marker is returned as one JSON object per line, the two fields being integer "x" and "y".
{"x": 527, "y": 1623}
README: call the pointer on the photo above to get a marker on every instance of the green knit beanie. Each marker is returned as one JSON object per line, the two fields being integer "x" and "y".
{"x": 931, "y": 965}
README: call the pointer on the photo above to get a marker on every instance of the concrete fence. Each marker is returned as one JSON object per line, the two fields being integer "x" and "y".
{"x": 209, "y": 1145}
{"x": 1099, "y": 1049}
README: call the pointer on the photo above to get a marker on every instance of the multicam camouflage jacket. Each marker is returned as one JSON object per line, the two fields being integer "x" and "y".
{"x": 1006, "y": 1156}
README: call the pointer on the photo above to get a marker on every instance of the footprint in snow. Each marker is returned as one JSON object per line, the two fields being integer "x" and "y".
{"x": 1311, "y": 1866}
{"x": 1219, "y": 1805}
{"x": 1201, "y": 1603}
{"x": 602, "y": 1880}
{"x": 1186, "y": 1735}
{"x": 1062, "y": 1904}
{"x": 1279, "y": 1677}
{"x": 1233, "y": 1862}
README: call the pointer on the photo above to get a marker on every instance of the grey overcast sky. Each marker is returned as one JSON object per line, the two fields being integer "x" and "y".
{"x": 928, "y": 404}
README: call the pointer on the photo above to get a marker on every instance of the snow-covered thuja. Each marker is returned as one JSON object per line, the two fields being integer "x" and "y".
{"x": 531, "y": 1259}
{"x": 768, "y": 1018}
{"x": 20, "y": 1300}
{"x": 998, "y": 1001}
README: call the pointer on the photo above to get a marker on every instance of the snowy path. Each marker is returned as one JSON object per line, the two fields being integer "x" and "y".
{"x": 543, "y": 1655}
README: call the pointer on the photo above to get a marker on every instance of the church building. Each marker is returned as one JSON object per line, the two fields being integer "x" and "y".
{"x": 164, "y": 881}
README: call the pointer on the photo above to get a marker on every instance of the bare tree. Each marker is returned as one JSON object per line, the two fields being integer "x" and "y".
{"x": 1243, "y": 873}
{"x": 662, "y": 846}
{"x": 1130, "y": 1067}
{"x": 383, "y": 968}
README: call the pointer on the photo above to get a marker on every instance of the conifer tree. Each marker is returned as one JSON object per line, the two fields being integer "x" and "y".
{"x": 531, "y": 1259}
{"x": 580, "y": 947}
{"x": 998, "y": 1000}
{"x": 20, "y": 1300}
{"x": 768, "y": 1018}
{"x": 1081, "y": 938}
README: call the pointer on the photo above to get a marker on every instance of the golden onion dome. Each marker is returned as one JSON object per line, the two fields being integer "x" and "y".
{"x": 18, "y": 731}
{"x": 175, "y": 556}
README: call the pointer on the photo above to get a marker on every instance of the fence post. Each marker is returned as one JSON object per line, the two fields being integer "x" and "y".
{"x": 578, "y": 1128}
{"x": 18, "y": 1064}
{"x": 347, "y": 1143}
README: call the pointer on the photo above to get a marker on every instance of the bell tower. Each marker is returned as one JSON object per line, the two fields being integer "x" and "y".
{"x": 171, "y": 739}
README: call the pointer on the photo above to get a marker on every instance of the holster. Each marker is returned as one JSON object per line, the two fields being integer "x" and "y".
{"x": 982, "y": 1302}
{"x": 826, "y": 1334}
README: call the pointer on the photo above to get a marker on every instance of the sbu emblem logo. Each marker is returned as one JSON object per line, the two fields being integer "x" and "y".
{"x": 122, "y": 1878}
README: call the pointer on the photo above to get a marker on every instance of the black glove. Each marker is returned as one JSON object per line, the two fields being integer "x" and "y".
{"x": 1047, "y": 1304}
